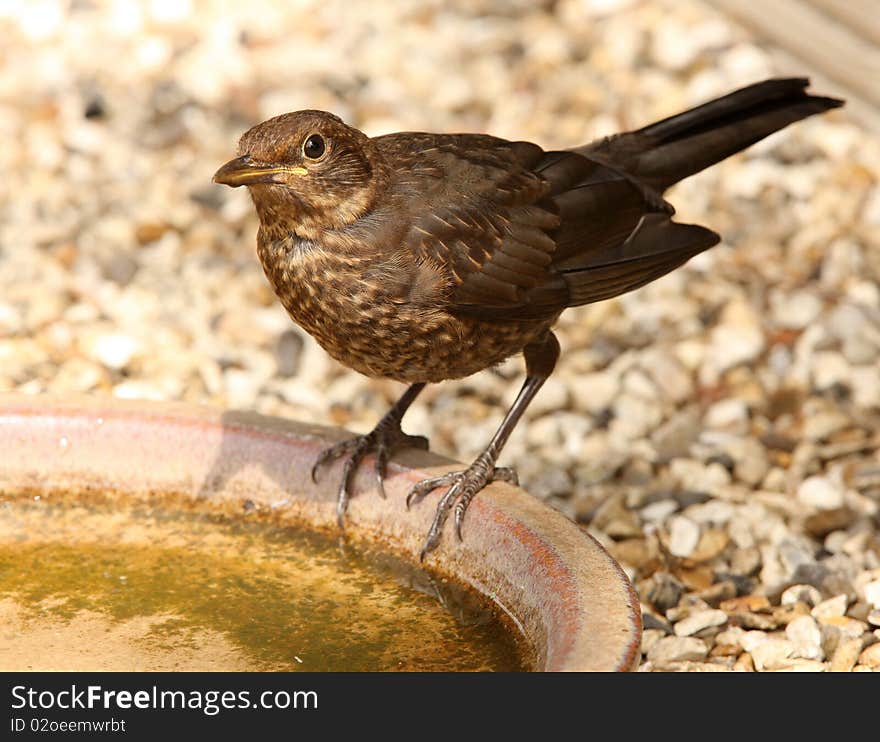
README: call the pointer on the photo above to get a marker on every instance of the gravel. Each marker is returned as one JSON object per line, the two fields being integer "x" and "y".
{"x": 717, "y": 429}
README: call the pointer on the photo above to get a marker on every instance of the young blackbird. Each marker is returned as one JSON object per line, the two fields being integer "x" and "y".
{"x": 422, "y": 257}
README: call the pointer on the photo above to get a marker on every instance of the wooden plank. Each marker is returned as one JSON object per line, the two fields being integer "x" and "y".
{"x": 861, "y": 16}
{"x": 857, "y": 109}
{"x": 824, "y": 43}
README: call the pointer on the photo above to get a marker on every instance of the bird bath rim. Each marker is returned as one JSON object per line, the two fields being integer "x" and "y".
{"x": 573, "y": 603}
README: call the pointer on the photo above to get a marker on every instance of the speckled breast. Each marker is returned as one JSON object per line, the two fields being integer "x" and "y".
{"x": 365, "y": 327}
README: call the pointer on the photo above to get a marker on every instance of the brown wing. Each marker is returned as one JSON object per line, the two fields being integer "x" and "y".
{"x": 524, "y": 233}
{"x": 480, "y": 217}
{"x": 615, "y": 233}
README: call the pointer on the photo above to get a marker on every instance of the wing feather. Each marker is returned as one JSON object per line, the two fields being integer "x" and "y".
{"x": 521, "y": 233}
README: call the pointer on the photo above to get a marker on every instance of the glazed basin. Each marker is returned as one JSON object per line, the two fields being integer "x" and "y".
{"x": 570, "y": 600}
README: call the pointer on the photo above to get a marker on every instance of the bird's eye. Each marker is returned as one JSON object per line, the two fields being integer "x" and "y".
{"x": 314, "y": 146}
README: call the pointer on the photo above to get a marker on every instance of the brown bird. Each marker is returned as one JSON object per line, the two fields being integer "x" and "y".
{"x": 423, "y": 257}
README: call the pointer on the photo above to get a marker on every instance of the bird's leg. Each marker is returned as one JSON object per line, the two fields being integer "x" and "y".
{"x": 464, "y": 485}
{"x": 383, "y": 439}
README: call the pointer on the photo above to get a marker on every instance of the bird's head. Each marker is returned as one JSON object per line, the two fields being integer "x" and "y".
{"x": 306, "y": 171}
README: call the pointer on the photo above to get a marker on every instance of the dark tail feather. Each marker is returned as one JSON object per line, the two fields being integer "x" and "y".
{"x": 670, "y": 150}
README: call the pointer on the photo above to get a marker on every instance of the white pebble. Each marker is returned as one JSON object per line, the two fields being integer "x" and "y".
{"x": 797, "y": 310}
{"x": 831, "y": 608}
{"x": 805, "y": 634}
{"x": 728, "y": 414}
{"x": 772, "y": 653}
{"x": 872, "y": 593}
{"x": 820, "y": 492}
{"x": 684, "y": 535}
{"x": 733, "y": 345}
{"x": 801, "y": 594}
{"x": 700, "y": 620}
{"x": 112, "y": 349}
{"x": 593, "y": 392}
{"x": 658, "y": 511}
{"x": 699, "y": 477}
{"x": 830, "y": 368}
{"x": 676, "y": 649}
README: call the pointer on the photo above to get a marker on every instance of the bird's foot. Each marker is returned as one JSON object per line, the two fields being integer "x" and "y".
{"x": 463, "y": 487}
{"x": 384, "y": 439}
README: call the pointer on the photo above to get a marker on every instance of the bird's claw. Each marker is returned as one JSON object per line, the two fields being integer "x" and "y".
{"x": 334, "y": 452}
{"x": 463, "y": 487}
{"x": 419, "y": 491}
{"x": 383, "y": 440}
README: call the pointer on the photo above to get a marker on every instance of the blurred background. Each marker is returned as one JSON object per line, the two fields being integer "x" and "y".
{"x": 717, "y": 430}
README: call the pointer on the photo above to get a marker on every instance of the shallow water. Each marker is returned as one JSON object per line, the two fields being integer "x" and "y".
{"x": 93, "y": 587}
